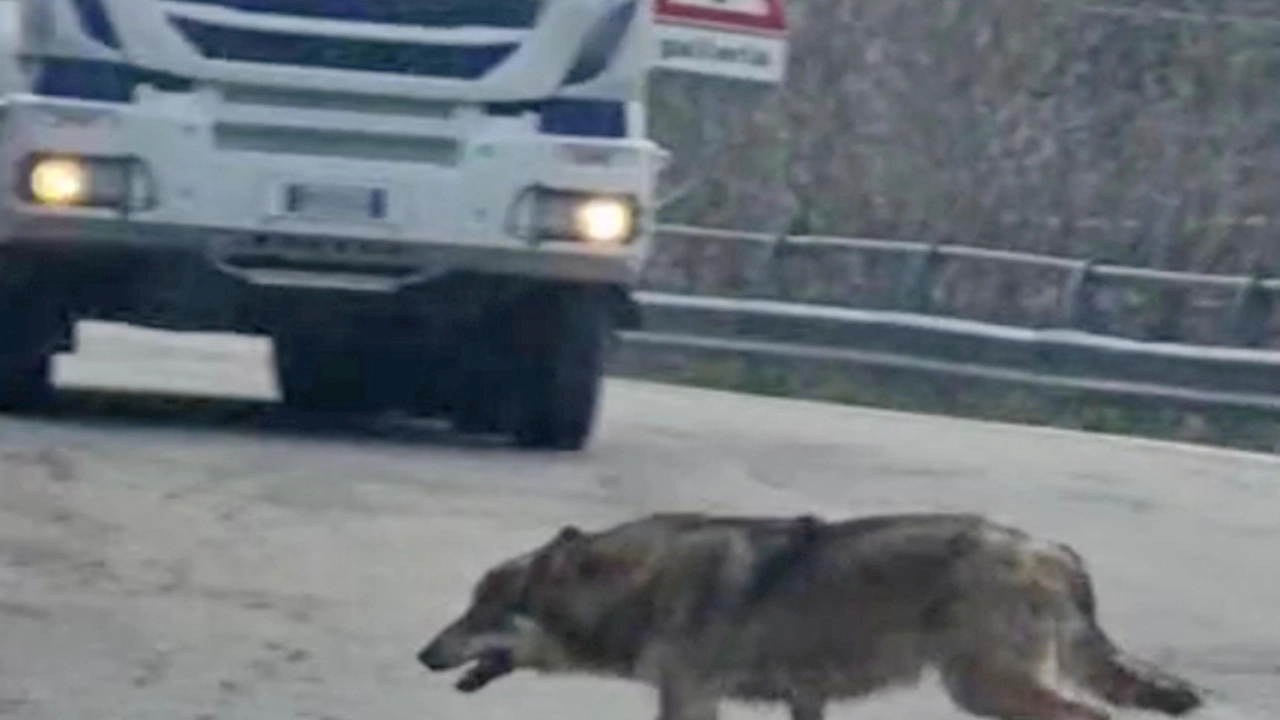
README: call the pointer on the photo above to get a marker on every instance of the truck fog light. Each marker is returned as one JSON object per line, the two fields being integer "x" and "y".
{"x": 541, "y": 214}
{"x": 603, "y": 220}
{"x": 122, "y": 183}
{"x": 58, "y": 181}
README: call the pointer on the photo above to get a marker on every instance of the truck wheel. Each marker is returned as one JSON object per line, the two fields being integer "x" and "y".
{"x": 480, "y": 415}
{"x": 481, "y": 383}
{"x": 559, "y": 370}
{"x": 26, "y": 349}
{"x": 25, "y": 379}
{"x": 477, "y": 408}
{"x": 321, "y": 375}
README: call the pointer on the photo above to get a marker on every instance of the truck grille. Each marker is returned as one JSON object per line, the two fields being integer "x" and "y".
{"x": 511, "y": 14}
{"x": 467, "y": 62}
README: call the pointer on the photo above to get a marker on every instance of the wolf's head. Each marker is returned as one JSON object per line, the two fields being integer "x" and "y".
{"x": 552, "y": 609}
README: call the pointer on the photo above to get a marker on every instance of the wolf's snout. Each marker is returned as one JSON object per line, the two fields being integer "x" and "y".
{"x": 434, "y": 658}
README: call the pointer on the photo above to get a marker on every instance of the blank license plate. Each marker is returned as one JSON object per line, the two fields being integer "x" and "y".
{"x": 335, "y": 202}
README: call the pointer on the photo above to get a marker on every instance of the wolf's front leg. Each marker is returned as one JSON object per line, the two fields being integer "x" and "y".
{"x": 681, "y": 697}
{"x": 807, "y": 707}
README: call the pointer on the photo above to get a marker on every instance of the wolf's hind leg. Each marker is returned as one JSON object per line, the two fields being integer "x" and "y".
{"x": 807, "y": 707}
{"x": 1012, "y": 694}
{"x": 680, "y": 698}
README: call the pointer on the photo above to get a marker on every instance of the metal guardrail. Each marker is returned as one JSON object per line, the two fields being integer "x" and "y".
{"x": 910, "y": 339}
{"x": 943, "y": 251}
{"x": 1245, "y": 324}
{"x": 1061, "y": 359}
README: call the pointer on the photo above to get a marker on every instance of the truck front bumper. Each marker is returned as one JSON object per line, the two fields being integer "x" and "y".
{"x": 223, "y": 181}
{"x": 340, "y": 262}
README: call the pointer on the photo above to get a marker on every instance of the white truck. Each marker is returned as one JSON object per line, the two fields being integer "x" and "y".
{"x": 433, "y": 206}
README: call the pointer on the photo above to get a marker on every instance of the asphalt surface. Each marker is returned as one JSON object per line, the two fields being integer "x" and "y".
{"x": 202, "y": 560}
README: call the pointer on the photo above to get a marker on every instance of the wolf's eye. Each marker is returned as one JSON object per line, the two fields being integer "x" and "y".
{"x": 592, "y": 567}
{"x": 502, "y": 594}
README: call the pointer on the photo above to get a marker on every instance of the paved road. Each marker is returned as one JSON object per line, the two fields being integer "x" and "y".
{"x": 192, "y": 565}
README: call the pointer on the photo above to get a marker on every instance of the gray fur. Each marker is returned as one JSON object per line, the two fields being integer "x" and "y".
{"x": 805, "y": 612}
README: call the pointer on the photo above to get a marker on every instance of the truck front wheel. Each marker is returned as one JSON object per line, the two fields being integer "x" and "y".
{"x": 25, "y": 378}
{"x": 26, "y": 350}
{"x": 561, "y": 343}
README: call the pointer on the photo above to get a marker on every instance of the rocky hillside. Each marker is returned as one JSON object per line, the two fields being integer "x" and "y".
{"x": 1015, "y": 123}
{"x": 1137, "y": 131}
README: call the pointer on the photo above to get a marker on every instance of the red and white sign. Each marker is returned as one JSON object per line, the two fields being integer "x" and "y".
{"x": 742, "y": 39}
{"x": 765, "y": 16}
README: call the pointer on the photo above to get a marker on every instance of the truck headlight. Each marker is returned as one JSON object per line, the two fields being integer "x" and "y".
{"x": 58, "y": 181}
{"x": 592, "y": 219}
{"x": 70, "y": 181}
{"x": 604, "y": 220}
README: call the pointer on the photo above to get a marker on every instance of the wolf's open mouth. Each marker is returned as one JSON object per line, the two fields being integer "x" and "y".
{"x": 488, "y": 667}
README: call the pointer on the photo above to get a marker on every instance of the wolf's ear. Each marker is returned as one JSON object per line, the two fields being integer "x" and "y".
{"x": 559, "y": 557}
{"x": 568, "y": 534}
{"x": 571, "y": 556}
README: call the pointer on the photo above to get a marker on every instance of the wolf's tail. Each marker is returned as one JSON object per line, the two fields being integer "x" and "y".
{"x": 1097, "y": 663}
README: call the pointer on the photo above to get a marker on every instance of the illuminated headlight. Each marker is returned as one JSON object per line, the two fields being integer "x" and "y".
{"x": 69, "y": 181}
{"x": 604, "y": 220}
{"x": 598, "y": 220}
{"x": 56, "y": 181}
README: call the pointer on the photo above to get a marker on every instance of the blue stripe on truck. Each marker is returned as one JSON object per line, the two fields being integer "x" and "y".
{"x": 601, "y": 44}
{"x": 584, "y": 118}
{"x": 115, "y": 82}
{"x": 467, "y": 62}
{"x": 565, "y": 116}
{"x": 511, "y": 14}
{"x": 98, "y": 80}
{"x": 96, "y": 23}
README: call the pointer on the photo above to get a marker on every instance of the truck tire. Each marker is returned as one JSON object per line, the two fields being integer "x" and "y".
{"x": 322, "y": 375}
{"x": 480, "y": 411}
{"x": 25, "y": 378}
{"x": 482, "y": 382}
{"x": 27, "y": 340}
{"x": 559, "y": 373}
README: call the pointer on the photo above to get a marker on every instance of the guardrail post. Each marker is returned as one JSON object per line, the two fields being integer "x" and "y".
{"x": 915, "y": 293}
{"x": 690, "y": 266}
{"x": 778, "y": 268}
{"x": 1250, "y": 309}
{"x": 1076, "y": 307}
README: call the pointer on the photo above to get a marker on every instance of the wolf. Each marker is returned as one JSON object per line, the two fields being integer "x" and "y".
{"x": 806, "y": 612}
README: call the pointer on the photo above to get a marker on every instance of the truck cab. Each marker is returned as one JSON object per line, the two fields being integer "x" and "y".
{"x": 439, "y": 208}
